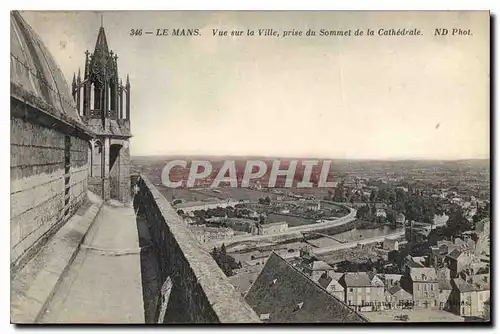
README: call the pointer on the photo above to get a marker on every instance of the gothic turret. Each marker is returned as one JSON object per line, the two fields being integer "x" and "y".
{"x": 102, "y": 108}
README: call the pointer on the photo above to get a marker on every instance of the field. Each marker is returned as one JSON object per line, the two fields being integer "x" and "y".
{"x": 205, "y": 194}
{"x": 292, "y": 221}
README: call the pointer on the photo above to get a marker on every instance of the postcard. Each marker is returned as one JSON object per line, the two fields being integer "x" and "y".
{"x": 250, "y": 167}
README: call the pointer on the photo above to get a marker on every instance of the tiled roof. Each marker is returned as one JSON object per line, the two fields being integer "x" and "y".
{"x": 481, "y": 286}
{"x": 455, "y": 254}
{"x": 320, "y": 265}
{"x": 393, "y": 277}
{"x": 335, "y": 275}
{"x": 445, "y": 284}
{"x": 423, "y": 274}
{"x": 289, "y": 296}
{"x": 360, "y": 279}
{"x": 400, "y": 293}
{"x": 324, "y": 281}
{"x": 462, "y": 285}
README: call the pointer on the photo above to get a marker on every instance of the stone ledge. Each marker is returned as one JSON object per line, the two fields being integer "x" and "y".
{"x": 33, "y": 286}
{"x": 198, "y": 271}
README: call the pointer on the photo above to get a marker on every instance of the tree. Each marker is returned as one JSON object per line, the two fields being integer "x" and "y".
{"x": 373, "y": 195}
{"x": 330, "y": 194}
{"x": 265, "y": 201}
{"x": 225, "y": 261}
{"x": 481, "y": 213}
{"x": 457, "y": 221}
{"x": 390, "y": 217}
{"x": 363, "y": 212}
{"x": 339, "y": 195}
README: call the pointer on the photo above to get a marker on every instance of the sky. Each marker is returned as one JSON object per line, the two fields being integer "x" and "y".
{"x": 364, "y": 97}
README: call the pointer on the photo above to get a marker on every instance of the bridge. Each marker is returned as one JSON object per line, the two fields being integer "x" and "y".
{"x": 295, "y": 232}
{"x": 307, "y": 234}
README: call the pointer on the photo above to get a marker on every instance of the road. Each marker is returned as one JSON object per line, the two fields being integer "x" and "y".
{"x": 292, "y": 231}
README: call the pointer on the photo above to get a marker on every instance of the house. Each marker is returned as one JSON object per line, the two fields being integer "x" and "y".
{"x": 445, "y": 289}
{"x": 391, "y": 244}
{"x": 330, "y": 282}
{"x": 272, "y": 228}
{"x": 206, "y": 234}
{"x": 422, "y": 283}
{"x": 447, "y": 246}
{"x": 315, "y": 269}
{"x": 397, "y": 297}
{"x": 483, "y": 237}
{"x": 400, "y": 219}
{"x": 392, "y": 280}
{"x": 375, "y": 279}
{"x": 283, "y": 294}
{"x": 408, "y": 263}
{"x": 458, "y": 260}
{"x": 381, "y": 213}
{"x": 438, "y": 255}
{"x": 361, "y": 293}
{"x": 468, "y": 299}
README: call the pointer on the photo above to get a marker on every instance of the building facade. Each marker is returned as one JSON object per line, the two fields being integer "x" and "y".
{"x": 273, "y": 228}
{"x": 360, "y": 293}
{"x": 423, "y": 284}
{"x": 206, "y": 234}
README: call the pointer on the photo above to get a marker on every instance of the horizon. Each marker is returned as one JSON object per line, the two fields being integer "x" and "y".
{"x": 264, "y": 157}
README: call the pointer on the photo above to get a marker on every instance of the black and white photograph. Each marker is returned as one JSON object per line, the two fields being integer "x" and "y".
{"x": 250, "y": 167}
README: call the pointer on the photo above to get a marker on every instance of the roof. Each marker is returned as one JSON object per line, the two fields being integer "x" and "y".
{"x": 360, "y": 279}
{"x": 320, "y": 265}
{"x": 423, "y": 274}
{"x": 462, "y": 285}
{"x": 392, "y": 276}
{"x": 335, "y": 275}
{"x": 325, "y": 281}
{"x": 455, "y": 254}
{"x": 400, "y": 292}
{"x": 35, "y": 77}
{"x": 289, "y": 296}
{"x": 244, "y": 278}
{"x": 481, "y": 285}
{"x": 483, "y": 270}
{"x": 371, "y": 274}
{"x": 445, "y": 284}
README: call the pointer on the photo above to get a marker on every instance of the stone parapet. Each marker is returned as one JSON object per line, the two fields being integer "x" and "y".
{"x": 201, "y": 292}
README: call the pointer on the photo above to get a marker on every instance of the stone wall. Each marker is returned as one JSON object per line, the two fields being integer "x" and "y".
{"x": 201, "y": 292}
{"x": 48, "y": 183}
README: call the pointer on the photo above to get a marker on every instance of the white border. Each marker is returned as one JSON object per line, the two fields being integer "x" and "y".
{"x": 492, "y": 5}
